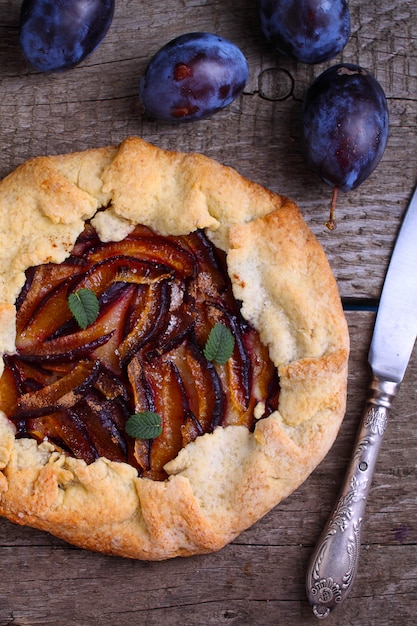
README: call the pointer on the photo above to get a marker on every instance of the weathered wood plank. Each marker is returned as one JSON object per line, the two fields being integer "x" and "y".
{"x": 234, "y": 587}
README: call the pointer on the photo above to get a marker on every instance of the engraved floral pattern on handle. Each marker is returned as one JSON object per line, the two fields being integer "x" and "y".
{"x": 376, "y": 420}
{"x": 328, "y": 590}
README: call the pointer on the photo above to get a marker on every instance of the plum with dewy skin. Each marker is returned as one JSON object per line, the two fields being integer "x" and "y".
{"x": 311, "y": 31}
{"x": 192, "y": 77}
{"x": 56, "y": 36}
{"x": 345, "y": 127}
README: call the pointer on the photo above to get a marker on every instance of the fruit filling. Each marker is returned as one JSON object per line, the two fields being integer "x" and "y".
{"x": 153, "y": 353}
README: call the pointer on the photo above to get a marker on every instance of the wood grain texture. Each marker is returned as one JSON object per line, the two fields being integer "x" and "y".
{"x": 259, "y": 578}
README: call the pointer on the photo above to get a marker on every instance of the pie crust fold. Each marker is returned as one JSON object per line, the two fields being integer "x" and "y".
{"x": 222, "y": 482}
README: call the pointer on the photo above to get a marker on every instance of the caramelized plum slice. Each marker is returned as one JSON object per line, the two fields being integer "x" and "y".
{"x": 66, "y": 430}
{"x": 142, "y": 392}
{"x": 28, "y": 377}
{"x": 9, "y": 391}
{"x": 111, "y": 385}
{"x": 202, "y": 386}
{"x": 42, "y": 280}
{"x": 61, "y": 394}
{"x": 265, "y": 382}
{"x": 162, "y": 377}
{"x": 108, "y": 352}
{"x": 155, "y": 249}
{"x": 211, "y": 263}
{"x": 47, "y": 318}
{"x": 235, "y": 374}
{"x": 152, "y": 317}
{"x": 122, "y": 269}
{"x": 180, "y": 325}
{"x": 100, "y": 418}
{"x": 143, "y": 401}
{"x": 191, "y": 429}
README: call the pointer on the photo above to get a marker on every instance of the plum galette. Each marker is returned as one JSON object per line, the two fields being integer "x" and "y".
{"x": 174, "y": 350}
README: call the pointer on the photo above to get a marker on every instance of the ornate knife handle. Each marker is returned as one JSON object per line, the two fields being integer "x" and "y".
{"x": 334, "y": 562}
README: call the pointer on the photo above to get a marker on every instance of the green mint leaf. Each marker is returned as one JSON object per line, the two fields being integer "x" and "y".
{"x": 84, "y": 306}
{"x": 145, "y": 425}
{"x": 220, "y": 344}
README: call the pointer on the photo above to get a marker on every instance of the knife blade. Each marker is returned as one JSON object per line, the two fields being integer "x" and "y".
{"x": 334, "y": 562}
{"x": 396, "y": 323}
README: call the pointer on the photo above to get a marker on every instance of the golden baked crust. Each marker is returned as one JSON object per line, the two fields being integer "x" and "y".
{"x": 224, "y": 481}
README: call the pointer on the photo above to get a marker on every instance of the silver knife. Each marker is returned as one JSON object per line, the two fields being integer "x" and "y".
{"x": 334, "y": 562}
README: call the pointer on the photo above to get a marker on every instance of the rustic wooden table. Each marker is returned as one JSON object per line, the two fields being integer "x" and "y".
{"x": 259, "y": 578}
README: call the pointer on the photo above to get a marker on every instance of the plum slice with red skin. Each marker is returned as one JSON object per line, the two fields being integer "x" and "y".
{"x": 155, "y": 249}
{"x": 100, "y": 420}
{"x": 41, "y": 281}
{"x": 168, "y": 399}
{"x": 61, "y": 394}
{"x": 206, "y": 398}
{"x": 123, "y": 269}
{"x": 66, "y": 431}
{"x": 152, "y": 318}
{"x": 86, "y": 341}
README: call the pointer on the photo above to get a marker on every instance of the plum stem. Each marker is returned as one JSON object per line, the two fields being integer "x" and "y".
{"x": 331, "y": 223}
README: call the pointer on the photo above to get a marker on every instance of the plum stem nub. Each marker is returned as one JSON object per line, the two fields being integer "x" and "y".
{"x": 331, "y": 223}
